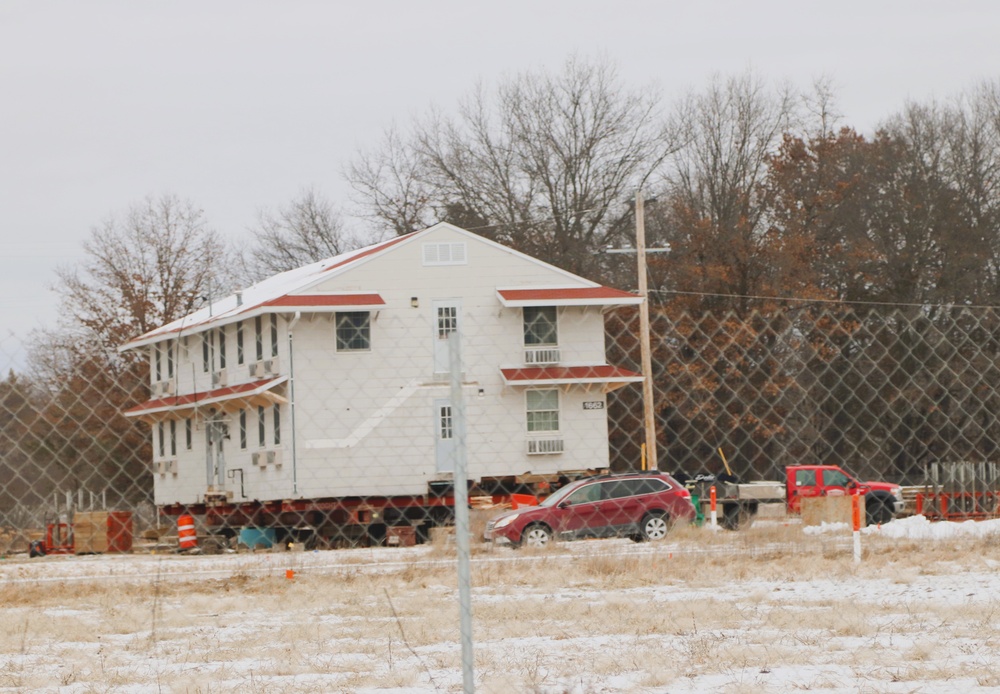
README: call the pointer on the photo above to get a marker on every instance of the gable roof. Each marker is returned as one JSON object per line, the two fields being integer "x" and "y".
{"x": 289, "y": 290}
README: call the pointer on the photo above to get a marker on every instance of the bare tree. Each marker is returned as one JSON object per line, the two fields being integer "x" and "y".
{"x": 141, "y": 269}
{"x": 545, "y": 163}
{"x": 390, "y": 187}
{"x": 717, "y": 208}
{"x": 304, "y": 231}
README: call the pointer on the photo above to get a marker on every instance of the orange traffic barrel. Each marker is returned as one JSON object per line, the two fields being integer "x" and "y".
{"x": 186, "y": 535}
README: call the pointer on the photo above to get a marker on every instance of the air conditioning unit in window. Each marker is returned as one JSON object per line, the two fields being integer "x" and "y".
{"x": 546, "y": 446}
{"x": 163, "y": 467}
{"x": 219, "y": 378}
{"x": 541, "y": 355}
{"x": 163, "y": 388}
{"x": 274, "y": 458}
{"x": 271, "y": 367}
{"x": 258, "y": 458}
{"x": 257, "y": 370}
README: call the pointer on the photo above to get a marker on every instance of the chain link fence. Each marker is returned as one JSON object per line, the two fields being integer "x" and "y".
{"x": 335, "y": 429}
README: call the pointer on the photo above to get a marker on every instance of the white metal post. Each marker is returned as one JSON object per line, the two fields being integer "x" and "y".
{"x": 460, "y": 477}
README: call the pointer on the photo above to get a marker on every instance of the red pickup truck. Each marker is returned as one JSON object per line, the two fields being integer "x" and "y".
{"x": 737, "y": 504}
{"x": 883, "y": 501}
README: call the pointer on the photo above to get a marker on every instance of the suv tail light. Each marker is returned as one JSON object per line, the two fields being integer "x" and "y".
{"x": 684, "y": 493}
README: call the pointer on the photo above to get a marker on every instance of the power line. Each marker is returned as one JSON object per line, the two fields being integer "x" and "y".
{"x": 761, "y": 297}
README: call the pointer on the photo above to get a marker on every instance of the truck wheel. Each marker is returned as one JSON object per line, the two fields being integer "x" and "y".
{"x": 536, "y": 535}
{"x": 655, "y": 526}
{"x": 878, "y": 511}
{"x": 736, "y": 517}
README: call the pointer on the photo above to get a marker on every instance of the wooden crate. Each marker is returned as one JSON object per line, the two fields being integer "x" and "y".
{"x": 97, "y": 532}
{"x": 817, "y": 510}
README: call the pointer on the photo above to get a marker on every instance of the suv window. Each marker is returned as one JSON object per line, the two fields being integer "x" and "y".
{"x": 634, "y": 487}
{"x": 585, "y": 494}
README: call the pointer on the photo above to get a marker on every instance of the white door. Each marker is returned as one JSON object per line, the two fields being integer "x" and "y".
{"x": 447, "y": 320}
{"x": 444, "y": 435}
{"x": 216, "y": 432}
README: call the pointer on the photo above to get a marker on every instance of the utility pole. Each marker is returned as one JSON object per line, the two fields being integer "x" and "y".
{"x": 647, "y": 360}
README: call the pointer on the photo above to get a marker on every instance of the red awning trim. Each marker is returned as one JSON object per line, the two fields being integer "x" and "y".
{"x": 329, "y": 300}
{"x": 568, "y": 375}
{"x": 566, "y": 296}
{"x": 202, "y": 399}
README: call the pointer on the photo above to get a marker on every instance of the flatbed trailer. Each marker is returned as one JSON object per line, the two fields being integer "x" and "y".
{"x": 361, "y": 521}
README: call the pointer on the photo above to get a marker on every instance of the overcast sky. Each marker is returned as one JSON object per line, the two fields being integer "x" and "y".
{"x": 238, "y": 106}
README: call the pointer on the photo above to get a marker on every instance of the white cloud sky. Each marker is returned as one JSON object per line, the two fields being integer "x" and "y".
{"x": 240, "y": 105}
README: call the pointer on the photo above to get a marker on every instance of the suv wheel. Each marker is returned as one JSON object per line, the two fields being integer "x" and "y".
{"x": 654, "y": 526}
{"x": 536, "y": 535}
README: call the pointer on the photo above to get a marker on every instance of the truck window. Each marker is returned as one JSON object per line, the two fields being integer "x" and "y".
{"x": 805, "y": 478}
{"x": 836, "y": 478}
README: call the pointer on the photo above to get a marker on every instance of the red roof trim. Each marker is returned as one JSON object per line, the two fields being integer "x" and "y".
{"x": 373, "y": 249}
{"x": 566, "y": 293}
{"x": 326, "y": 300}
{"x": 190, "y": 399}
{"x": 576, "y": 374}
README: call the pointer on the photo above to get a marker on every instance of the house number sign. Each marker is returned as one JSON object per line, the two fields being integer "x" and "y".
{"x": 593, "y": 405}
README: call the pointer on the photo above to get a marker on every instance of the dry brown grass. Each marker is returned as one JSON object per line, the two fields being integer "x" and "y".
{"x": 706, "y": 611}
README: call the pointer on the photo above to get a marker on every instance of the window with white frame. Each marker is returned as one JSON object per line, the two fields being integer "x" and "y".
{"x": 261, "y": 426}
{"x": 222, "y": 348}
{"x": 173, "y": 437}
{"x": 239, "y": 343}
{"x": 447, "y": 321}
{"x": 540, "y": 326}
{"x": 353, "y": 331}
{"x": 188, "y": 433}
{"x": 243, "y": 430}
{"x": 258, "y": 330}
{"x": 277, "y": 425}
{"x": 274, "y": 334}
{"x": 543, "y": 410}
{"x": 446, "y": 425}
{"x": 206, "y": 352}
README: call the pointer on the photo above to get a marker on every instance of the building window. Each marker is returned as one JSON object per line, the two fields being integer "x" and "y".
{"x": 170, "y": 360}
{"x": 222, "y": 348}
{"x": 274, "y": 334}
{"x": 540, "y": 326}
{"x": 239, "y": 342}
{"x": 188, "y": 433}
{"x": 447, "y": 321}
{"x": 446, "y": 425}
{"x": 277, "y": 425}
{"x": 156, "y": 363}
{"x": 161, "y": 440}
{"x": 258, "y": 331}
{"x": 173, "y": 437}
{"x": 353, "y": 331}
{"x": 206, "y": 355}
{"x": 543, "y": 410}
{"x": 260, "y": 426}
{"x": 243, "y": 429}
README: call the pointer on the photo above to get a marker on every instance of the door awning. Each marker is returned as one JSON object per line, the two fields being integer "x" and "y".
{"x": 225, "y": 399}
{"x": 604, "y": 375}
{"x": 565, "y": 296}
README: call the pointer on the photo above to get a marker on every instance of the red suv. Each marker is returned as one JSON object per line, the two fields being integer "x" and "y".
{"x": 638, "y": 505}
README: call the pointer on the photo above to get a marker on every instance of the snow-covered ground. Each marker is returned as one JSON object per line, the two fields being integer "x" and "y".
{"x": 758, "y": 611}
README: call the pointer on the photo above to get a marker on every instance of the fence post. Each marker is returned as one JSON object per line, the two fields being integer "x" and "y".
{"x": 460, "y": 477}
{"x": 711, "y": 496}
{"x": 856, "y": 518}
